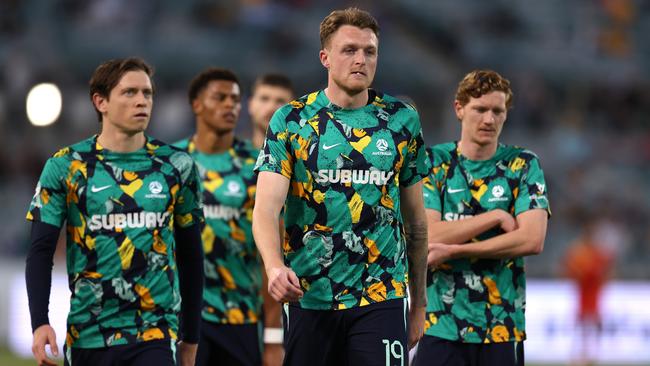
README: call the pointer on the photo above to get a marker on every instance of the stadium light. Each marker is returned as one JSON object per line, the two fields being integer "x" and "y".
{"x": 43, "y": 104}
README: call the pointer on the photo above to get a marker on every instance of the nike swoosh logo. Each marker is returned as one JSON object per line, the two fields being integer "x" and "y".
{"x": 450, "y": 190}
{"x": 325, "y": 147}
{"x": 99, "y": 189}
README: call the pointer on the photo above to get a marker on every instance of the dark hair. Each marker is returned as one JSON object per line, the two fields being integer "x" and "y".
{"x": 279, "y": 80}
{"x": 480, "y": 82}
{"x": 108, "y": 75}
{"x": 201, "y": 80}
{"x": 350, "y": 16}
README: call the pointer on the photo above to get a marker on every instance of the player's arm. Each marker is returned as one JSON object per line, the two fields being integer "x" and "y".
{"x": 461, "y": 231}
{"x": 38, "y": 278}
{"x": 527, "y": 239}
{"x": 458, "y": 231}
{"x": 415, "y": 228}
{"x": 188, "y": 217}
{"x": 272, "y": 189}
{"x": 273, "y": 333}
{"x": 189, "y": 258}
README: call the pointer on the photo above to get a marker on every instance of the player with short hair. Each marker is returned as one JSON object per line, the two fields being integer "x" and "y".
{"x": 269, "y": 92}
{"x": 487, "y": 208}
{"x": 131, "y": 205}
{"x": 231, "y": 331}
{"x": 347, "y": 161}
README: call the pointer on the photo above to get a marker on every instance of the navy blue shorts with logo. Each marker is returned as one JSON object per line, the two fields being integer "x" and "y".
{"x": 434, "y": 351}
{"x": 229, "y": 345}
{"x": 161, "y": 352}
{"x": 371, "y": 335}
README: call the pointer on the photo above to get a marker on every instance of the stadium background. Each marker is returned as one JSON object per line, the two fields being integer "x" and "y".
{"x": 580, "y": 71}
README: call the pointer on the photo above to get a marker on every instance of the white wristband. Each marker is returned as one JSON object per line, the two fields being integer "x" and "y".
{"x": 273, "y": 335}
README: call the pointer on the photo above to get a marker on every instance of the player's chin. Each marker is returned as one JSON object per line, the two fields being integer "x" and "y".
{"x": 139, "y": 121}
{"x": 225, "y": 128}
{"x": 357, "y": 87}
{"x": 362, "y": 82}
{"x": 136, "y": 127}
{"x": 488, "y": 139}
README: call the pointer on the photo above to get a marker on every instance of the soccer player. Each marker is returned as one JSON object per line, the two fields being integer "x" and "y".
{"x": 348, "y": 161}
{"x": 131, "y": 205}
{"x": 232, "y": 299}
{"x": 589, "y": 265}
{"x": 270, "y": 92}
{"x": 487, "y": 209}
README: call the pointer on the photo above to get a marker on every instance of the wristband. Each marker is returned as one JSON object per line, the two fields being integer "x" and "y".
{"x": 273, "y": 335}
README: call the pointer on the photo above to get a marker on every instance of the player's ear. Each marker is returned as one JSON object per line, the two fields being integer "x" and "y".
{"x": 100, "y": 102}
{"x": 324, "y": 60}
{"x": 196, "y": 105}
{"x": 458, "y": 108}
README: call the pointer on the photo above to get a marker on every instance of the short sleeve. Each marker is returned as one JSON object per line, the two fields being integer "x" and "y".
{"x": 275, "y": 155}
{"x": 416, "y": 164}
{"x": 532, "y": 192}
{"x": 49, "y": 202}
{"x": 187, "y": 210}
{"x": 432, "y": 183}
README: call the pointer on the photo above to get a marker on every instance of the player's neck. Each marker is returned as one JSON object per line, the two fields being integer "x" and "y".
{"x": 474, "y": 151}
{"x": 343, "y": 99}
{"x": 209, "y": 141}
{"x": 120, "y": 141}
{"x": 259, "y": 134}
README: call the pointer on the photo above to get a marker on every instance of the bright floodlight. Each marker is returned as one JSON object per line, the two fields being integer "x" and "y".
{"x": 43, "y": 104}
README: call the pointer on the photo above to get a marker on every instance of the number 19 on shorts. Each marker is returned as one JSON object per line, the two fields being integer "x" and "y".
{"x": 394, "y": 350}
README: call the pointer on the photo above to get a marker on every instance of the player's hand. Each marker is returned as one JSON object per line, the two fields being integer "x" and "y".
{"x": 507, "y": 222}
{"x": 44, "y": 335}
{"x": 187, "y": 353}
{"x": 284, "y": 285}
{"x": 273, "y": 354}
{"x": 438, "y": 254}
{"x": 416, "y": 324}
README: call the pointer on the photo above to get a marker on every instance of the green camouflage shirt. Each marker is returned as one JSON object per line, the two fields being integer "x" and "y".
{"x": 233, "y": 274}
{"x": 120, "y": 210}
{"x": 344, "y": 232}
{"x": 480, "y": 300}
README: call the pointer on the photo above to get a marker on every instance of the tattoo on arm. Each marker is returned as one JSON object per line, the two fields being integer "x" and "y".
{"x": 416, "y": 253}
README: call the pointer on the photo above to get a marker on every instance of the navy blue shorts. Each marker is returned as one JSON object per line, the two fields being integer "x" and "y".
{"x": 229, "y": 345}
{"x": 160, "y": 352}
{"x": 434, "y": 351}
{"x": 371, "y": 335}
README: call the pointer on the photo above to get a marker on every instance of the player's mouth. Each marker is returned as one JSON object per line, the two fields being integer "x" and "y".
{"x": 229, "y": 116}
{"x": 141, "y": 115}
{"x": 358, "y": 73}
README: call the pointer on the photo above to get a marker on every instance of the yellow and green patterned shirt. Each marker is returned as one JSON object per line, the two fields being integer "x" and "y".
{"x": 120, "y": 210}
{"x": 233, "y": 274}
{"x": 480, "y": 300}
{"x": 344, "y": 232}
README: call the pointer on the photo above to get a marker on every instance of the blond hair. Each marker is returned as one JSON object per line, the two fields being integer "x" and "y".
{"x": 480, "y": 82}
{"x": 350, "y": 16}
